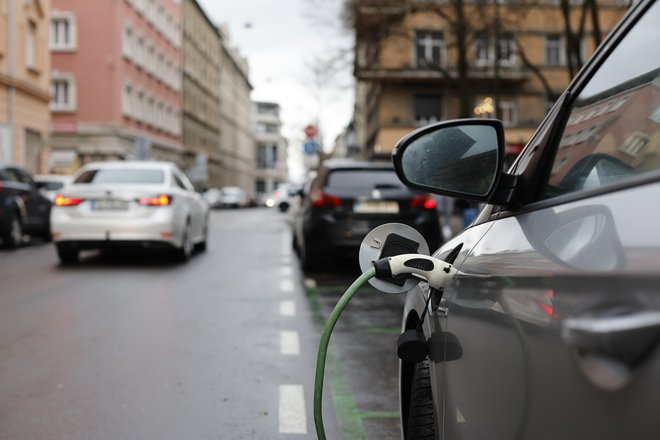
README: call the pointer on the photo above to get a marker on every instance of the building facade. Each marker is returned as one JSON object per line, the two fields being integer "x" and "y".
{"x": 414, "y": 67}
{"x": 237, "y": 141}
{"x": 116, "y": 81}
{"x": 24, "y": 83}
{"x": 271, "y": 147}
{"x": 201, "y": 100}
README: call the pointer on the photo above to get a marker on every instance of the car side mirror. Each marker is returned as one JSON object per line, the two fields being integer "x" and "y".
{"x": 459, "y": 158}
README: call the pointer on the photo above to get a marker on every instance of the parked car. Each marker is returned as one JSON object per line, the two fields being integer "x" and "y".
{"x": 23, "y": 209}
{"x": 51, "y": 184}
{"x": 213, "y": 197}
{"x": 346, "y": 200}
{"x": 233, "y": 197}
{"x": 551, "y": 328}
{"x": 284, "y": 197}
{"x": 148, "y": 204}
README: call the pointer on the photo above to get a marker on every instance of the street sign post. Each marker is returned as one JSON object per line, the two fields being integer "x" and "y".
{"x": 310, "y": 147}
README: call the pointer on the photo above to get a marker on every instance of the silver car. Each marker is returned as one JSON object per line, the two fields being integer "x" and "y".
{"x": 551, "y": 328}
{"x": 147, "y": 204}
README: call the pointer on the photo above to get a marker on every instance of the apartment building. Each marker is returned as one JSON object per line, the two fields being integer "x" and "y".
{"x": 237, "y": 140}
{"x": 201, "y": 96}
{"x": 410, "y": 72}
{"x": 116, "y": 81}
{"x": 24, "y": 83}
{"x": 271, "y": 147}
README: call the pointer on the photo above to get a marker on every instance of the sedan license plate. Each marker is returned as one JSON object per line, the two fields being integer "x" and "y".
{"x": 109, "y": 205}
{"x": 376, "y": 207}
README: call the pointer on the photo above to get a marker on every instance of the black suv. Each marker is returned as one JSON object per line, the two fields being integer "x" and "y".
{"x": 23, "y": 209}
{"x": 346, "y": 200}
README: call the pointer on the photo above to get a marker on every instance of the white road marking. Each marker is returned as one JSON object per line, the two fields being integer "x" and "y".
{"x": 286, "y": 271}
{"x": 292, "y": 415}
{"x": 286, "y": 286}
{"x": 287, "y": 308}
{"x": 289, "y": 342}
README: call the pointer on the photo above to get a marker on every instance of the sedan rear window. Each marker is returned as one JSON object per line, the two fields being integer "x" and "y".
{"x": 365, "y": 179}
{"x": 122, "y": 176}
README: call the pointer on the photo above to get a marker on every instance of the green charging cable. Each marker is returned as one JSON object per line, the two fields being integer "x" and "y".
{"x": 323, "y": 347}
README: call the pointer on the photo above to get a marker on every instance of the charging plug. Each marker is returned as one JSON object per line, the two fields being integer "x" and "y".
{"x": 435, "y": 271}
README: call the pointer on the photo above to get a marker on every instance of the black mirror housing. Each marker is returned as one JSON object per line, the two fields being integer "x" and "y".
{"x": 458, "y": 158}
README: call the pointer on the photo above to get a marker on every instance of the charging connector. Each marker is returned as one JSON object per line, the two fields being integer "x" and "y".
{"x": 435, "y": 271}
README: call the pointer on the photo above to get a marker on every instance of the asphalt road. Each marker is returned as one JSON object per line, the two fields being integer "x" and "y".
{"x": 131, "y": 345}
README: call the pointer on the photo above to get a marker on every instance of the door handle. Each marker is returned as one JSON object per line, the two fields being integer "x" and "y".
{"x": 627, "y": 338}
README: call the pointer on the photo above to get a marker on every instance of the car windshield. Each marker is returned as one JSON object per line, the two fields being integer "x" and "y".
{"x": 121, "y": 176}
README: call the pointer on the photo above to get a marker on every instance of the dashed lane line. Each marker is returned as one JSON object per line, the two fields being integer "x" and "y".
{"x": 289, "y": 342}
{"x": 292, "y": 413}
{"x": 288, "y": 308}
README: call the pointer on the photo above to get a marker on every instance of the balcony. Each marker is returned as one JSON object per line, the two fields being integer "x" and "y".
{"x": 512, "y": 74}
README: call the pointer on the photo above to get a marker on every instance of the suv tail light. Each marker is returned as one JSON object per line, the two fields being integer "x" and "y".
{"x": 320, "y": 198}
{"x": 62, "y": 200}
{"x": 422, "y": 201}
{"x": 159, "y": 200}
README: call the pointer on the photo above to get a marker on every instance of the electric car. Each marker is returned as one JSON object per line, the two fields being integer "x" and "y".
{"x": 144, "y": 204}
{"x": 550, "y": 330}
{"x": 346, "y": 200}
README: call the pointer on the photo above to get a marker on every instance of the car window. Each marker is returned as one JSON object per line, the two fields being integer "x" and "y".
{"x": 177, "y": 181}
{"x": 9, "y": 175}
{"x": 613, "y": 131}
{"x": 24, "y": 177}
{"x": 363, "y": 180}
{"x": 121, "y": 176}
{"x": 51, "y": 185}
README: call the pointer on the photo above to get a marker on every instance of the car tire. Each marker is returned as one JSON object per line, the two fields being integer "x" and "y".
{"x": 184, "y": 253}
{"x": 202, "y": 245}
{"x": 421, "y": 413}
{"x": 68, "y": 254}
{"x": 308, "y": 262}
{"x": 283, "y": 206}
{"x": 13, "y": 237}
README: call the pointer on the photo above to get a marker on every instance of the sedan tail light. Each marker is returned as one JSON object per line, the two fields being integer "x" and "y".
{"x": 320, "y": 198}
{"x": 62, "y": 200}
{"x": 159, "y": 200}
{"x": 422, "y": 201}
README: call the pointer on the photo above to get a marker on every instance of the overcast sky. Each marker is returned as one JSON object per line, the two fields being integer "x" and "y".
{"x": 281, "y": 40}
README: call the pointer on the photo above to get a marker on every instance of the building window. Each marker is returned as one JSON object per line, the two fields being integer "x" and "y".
{"x": 507, "y": 46}
{"x": 481, "y": 49}
{"x": 127, "y": 41}
{"x": 553, "y": 50}
{"x": 138, "y": 111}
{"x": 31, "y": 46}
{"x": 127, "y": 100}
{"x": 63, "y": 93}
{"x": 139, "y": 52}
{"x": 508, "y": 113}
{"x": 151, "y": 60}
{"x": 484, "y": 49}
{"x": 634, "y": 144}
{"x": 149, "y": 117}
{"x": 62, "y": 31}
{"x": 429, "y": 48}
{"x": 428, "y": 108}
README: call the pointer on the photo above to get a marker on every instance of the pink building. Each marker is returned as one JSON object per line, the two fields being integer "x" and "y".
{"x": 115, "y": 81}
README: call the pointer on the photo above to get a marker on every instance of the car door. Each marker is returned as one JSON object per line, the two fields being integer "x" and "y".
{"x": 36, "y": 205}
{"x": 555, "y": 316}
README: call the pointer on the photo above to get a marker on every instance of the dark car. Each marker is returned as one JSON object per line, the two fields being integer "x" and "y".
{"x": 551, "y": 328}
{"x": 23, "y": 209}
{"x": 346, "y": 200}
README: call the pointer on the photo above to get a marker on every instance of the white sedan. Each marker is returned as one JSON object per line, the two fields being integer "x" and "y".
{"x": 147, "y": 204}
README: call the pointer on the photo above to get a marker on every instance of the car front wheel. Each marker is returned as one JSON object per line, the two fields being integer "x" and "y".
{"x": 421, "y": 413}
{"x": 14, "y": 235}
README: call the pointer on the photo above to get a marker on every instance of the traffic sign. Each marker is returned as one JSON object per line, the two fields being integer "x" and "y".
{"x": 310, "y": 147}
{"x": 310, "y": 131}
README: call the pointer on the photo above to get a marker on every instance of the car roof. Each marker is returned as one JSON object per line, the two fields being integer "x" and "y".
{"x": 130, "y": 164}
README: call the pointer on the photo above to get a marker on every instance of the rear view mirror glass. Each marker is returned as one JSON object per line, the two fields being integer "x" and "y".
{"x": 460, "y": 159}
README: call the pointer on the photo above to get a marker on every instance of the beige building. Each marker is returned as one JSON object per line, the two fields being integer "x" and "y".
{"x": 201, "y": 100}
{"x": 237, "y": 142}
{"x": 271, "y": 147}
{"x": 24, "y": 83}
{"x": 409, "y": 72}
